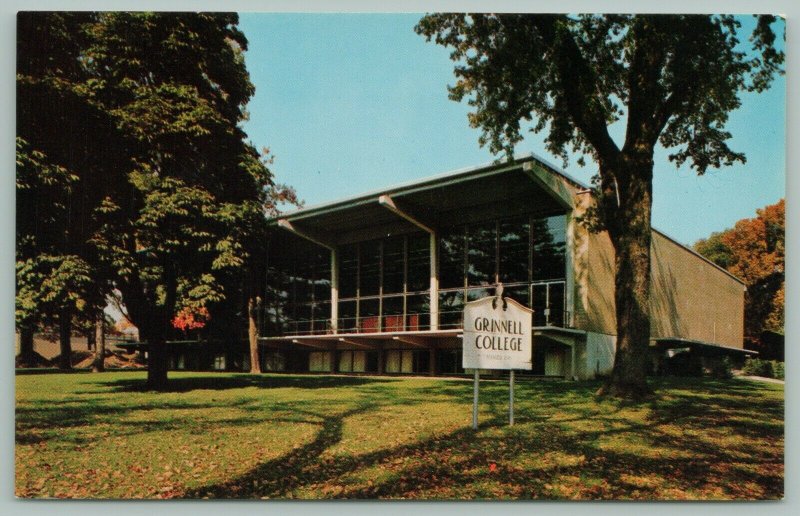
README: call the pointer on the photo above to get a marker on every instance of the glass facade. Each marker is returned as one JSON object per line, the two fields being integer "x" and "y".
{"x": 384, "y": 285}
{"x": 527, "y": 254}
{"x": 298, "y": 291}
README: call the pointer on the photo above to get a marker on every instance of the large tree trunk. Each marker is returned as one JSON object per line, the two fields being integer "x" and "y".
{"x": 157, "y": 365}
{"x": 632, "y": 298}
{"x": 26, "y": 345}
{"x": 64, "y": 339}
{"x": 628, "y": 223}
{"x": 99, "y": 364}
{"x": 91, "y": 339}
{"x": 158, "y": 357}
{"x": 253, "y": 307}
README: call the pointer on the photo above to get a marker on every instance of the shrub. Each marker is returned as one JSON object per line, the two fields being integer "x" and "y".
{"x": 720, "y": 367}
{"x": 758, "y": 367}
{"x": 684, "y": 364}
{"x": 778, "y": 369}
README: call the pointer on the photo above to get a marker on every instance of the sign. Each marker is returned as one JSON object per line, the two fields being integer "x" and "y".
{"x": 497, "y": 334}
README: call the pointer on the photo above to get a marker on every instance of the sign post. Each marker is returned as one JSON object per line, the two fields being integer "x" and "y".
{"x": 497, "y": 335}
{"x": 511, "y": 398}
{"x": 475, "y": 400}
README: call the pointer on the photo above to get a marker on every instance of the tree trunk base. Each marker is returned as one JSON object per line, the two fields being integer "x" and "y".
{"x": 99, "y": 363}
{"x": 64, "y": 340}
{"x": 157, "y": 366}
{"x": 156, "y": 379}
{"x": 27, "y": 355}
{"x": 626, "y": 391}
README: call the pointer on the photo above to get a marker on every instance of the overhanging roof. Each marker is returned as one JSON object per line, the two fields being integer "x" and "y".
{"x": 330, "y": 341}
{"x": 706, "y": 347}
{"x": 526, "y": 185}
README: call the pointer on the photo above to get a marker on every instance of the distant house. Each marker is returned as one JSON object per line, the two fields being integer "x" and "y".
{"x": 377, "y": 283}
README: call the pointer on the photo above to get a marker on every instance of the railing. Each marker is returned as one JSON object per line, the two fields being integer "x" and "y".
{"x": 561, "y": 319}
{"x": 365, "y": 324}
{"x": 551, "y": 312}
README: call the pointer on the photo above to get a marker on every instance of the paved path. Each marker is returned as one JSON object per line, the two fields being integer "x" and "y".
{"x": 761, "y": 379}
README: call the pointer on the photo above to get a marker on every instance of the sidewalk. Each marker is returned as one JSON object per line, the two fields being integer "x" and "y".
{"x": 761, "y": 379}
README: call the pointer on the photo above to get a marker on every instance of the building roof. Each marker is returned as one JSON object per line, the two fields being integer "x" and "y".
{"x": 469, "y": 195}
{"x": 426, "y": 183}
{"x": 468, "y": 189}
{"x": 707, "y": 347}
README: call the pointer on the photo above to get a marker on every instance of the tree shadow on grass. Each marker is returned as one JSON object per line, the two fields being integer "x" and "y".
{"x": 278, "y": 477}
{"x": 36, "y": 422}
{"x": 584, "y": 463}
{"x": 239, "y": 381}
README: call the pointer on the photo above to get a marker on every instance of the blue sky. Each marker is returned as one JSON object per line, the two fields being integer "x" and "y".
{"x": 349, "y": 103}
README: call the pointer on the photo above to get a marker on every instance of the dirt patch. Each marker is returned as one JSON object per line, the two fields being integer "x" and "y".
{"x": 113, "y": 360}
{"x": 38, "y": 361}
{"x": 83, "y": 360}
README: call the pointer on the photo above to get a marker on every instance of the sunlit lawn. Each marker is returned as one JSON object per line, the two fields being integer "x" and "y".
{"x": 241, "y": 436}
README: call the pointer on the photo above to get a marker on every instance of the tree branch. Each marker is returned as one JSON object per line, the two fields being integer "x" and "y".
{"x": 578, "y": 83}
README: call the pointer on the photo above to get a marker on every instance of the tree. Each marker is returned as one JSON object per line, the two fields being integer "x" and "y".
{"x": 61, "y": 138}
{"x": 673, "y": 79}
{"x": 152, "y": 104}
{"x": 176, "y": 85}
{"x": 754, "y": 250}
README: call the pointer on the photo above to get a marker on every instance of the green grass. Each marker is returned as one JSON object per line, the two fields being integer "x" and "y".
{"x": 286, "y": 436}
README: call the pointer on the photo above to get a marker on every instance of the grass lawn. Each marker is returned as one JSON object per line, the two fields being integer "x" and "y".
{"x": 88, "y": 435}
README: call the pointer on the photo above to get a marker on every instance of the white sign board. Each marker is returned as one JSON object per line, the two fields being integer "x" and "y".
{"x": 497, "y": 337}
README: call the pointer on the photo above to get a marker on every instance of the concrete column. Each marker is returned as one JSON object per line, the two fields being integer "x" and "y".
{"x": 434, "y": 303}
{"x": 334, "y": 353}
{"x": 334, "y": 291}
{"x": 572, "y": 359}
{"x": 569, "y": 284}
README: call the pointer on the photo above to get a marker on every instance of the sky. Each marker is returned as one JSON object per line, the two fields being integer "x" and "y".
{"x": 349, "y": 103}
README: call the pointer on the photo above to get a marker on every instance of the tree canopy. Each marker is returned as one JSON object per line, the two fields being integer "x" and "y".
{"x": 173, "y": 187}
{"x": 671, "y": 79}
{"x": 58, "y": 169}
{"x": 754, "y": 250}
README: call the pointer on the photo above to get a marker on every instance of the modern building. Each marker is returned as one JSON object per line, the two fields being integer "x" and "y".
{"x": 377, "y": 283}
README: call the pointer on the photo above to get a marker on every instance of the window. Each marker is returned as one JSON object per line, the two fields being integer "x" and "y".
{"x": 348, "y": 271}
{"x": 527, "y": 254}
{"x": 347, "y": 316}
{"x": 549, "y": 246}
{"x": 345, "y": 361}
{"x": 400, "y": 361}
{"x": 321, "y": 316}
{"x": 419, "y": 263}
{"x": 418, "y": 309}
{"x": 368, "y": 320}
{"x": 393, "y": 313}
{"x": 274, "y": 360}
{"x": 451, "y": 305}
{"x": 383, "y": 285}
{"x": 452, "y": 245}
{"x": 370, "y": 270}
{"x": 219, "y": 362}
{"x": 521, "y": 294}
{"x": 393, "y": 265}
{"x": 298, "y": 296}
{"x": 482, "y": 254}
{"x": 449, "y": 361}
{"x": 352, "y": 361}
{"x": 319, "y": 361}
{"x": 514, "y": 242}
